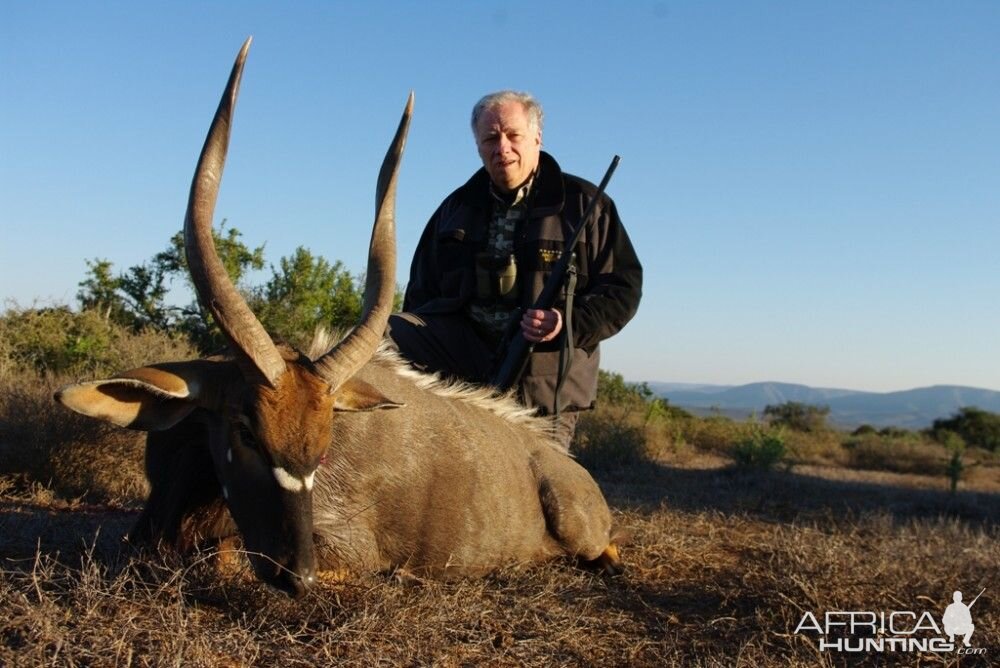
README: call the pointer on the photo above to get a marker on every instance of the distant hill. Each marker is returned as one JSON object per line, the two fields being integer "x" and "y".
{"x": 911, "y": 409}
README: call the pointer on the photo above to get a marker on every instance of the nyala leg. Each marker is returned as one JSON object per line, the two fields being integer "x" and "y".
{"x": 182, "y": 482}
{"x": 206, "y": 525}
{"x": 576, "y": 514}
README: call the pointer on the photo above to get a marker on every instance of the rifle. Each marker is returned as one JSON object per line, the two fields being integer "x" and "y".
{"x": 518, "y": 347}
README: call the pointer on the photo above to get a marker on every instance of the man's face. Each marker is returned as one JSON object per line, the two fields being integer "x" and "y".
{"x": 508, "y": 145}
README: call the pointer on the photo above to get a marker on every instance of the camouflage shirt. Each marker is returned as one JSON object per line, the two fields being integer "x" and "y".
{"x": 489, "y": 312}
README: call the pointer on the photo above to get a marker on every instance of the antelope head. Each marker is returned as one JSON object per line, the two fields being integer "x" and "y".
{"x": 268, "y": 409}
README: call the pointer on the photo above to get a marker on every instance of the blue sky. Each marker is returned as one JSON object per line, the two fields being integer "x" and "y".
{"x": 813, "y": 187}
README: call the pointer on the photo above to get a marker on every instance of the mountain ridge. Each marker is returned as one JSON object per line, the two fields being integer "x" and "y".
{"x": 916, "y": 408}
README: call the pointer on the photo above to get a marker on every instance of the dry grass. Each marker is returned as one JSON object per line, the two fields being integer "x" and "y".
{"x": 69, "y": 453}
{"x": 43, "y": 349}
{"x": 721, "y": 567}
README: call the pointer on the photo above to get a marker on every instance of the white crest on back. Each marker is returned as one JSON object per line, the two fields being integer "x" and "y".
{"x": 504, "y": 406}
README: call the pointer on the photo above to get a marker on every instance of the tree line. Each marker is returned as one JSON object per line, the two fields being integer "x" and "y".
{"x": 969, "y": 426}
{"x": 304, "y": 291}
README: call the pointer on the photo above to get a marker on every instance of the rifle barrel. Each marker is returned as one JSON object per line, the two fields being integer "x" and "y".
{"x": 520, "y": 348}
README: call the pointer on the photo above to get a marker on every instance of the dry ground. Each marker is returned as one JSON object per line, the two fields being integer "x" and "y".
{"x": 721, "y": 567}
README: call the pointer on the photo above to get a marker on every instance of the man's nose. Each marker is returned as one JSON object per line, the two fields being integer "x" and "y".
{"x": 503, "y": 144}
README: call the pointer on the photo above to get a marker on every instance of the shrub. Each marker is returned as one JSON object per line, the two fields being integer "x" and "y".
{"x": 902, "y": 454}
{"x": 955, "y": 468}
{"x": 797, "y": 416}
{"x": 306, "y": 292}
{"x": 605, "y": 441}
{"x": 59, "y": 341}
{"x": 823, "y": 447}
{"x": 976, "y": 427}
{"x": 54, "y": 340}
{"x": 660, "y": 408}
{"x": 759, "y": 449}
{"x": 715, "y": 433}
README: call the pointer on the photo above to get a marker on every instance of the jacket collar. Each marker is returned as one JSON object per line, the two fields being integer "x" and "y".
{"x": 549, "y": 192}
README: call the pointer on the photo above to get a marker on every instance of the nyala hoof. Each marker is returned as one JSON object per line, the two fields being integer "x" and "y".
{"x": 608, "y": 563}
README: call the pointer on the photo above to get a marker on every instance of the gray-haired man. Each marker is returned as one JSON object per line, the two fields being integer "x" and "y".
{"x": 486, "y": 252}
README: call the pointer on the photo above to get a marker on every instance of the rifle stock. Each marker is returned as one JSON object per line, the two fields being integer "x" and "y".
{"x": 518, "y": 347}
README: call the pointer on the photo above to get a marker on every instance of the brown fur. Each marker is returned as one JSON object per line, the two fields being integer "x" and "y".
{"x": 453, "y": 482}
{"x": 450, "y": 480}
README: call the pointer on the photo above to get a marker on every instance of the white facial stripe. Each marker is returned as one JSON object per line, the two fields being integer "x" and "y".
{"x": 229, "y": 455}
{"x": 225, "y": 492}
{"x": 287, "y": 480}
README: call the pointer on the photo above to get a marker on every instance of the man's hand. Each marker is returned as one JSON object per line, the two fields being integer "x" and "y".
{"x": 539, "y": 326}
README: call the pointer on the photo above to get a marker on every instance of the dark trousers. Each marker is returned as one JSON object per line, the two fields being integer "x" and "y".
{"x": 448, "y": 344}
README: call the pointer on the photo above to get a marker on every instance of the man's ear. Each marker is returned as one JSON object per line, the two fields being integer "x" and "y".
{"x": 149, "y": 398}
{"x": 357, "y": 395}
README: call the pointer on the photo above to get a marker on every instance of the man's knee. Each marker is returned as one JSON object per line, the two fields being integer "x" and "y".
{"x": 564, "y": 427}
{"x": 444, "y": 343}
{"x": 403, "y": 330}
{"x": 402, "y": 326}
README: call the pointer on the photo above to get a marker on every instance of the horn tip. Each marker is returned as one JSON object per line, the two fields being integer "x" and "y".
{"x": 245, "y": 48}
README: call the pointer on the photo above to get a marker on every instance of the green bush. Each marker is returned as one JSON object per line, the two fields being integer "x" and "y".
{"x": 908, "y": 453}
{"x": 978, "y": 428}
{"x": 825, "y": 448}
{"x": 896, "y": 432}
{"x": 306, "y": 292}
{"x": 54, "y": 340}
{"x": 603, "y": 441}
{"x": 714, "y": 434}
{"x": 797, "y": 416}
{"x": 955, "y": 468}
{"x": 59, "y": 341}
{"x": 759, "y": 449}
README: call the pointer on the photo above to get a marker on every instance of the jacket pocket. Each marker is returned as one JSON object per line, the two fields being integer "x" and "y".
{"x": 454, "y": 262}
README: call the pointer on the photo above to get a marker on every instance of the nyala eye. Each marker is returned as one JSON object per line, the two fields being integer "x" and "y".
{"x": 248, "y": 438}
{"x": 246, "y": 434}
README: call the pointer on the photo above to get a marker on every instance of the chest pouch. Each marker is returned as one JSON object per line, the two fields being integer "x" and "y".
{"x": 496, "y": 278}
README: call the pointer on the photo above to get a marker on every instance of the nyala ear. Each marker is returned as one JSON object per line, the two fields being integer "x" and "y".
{"x": 149, "y": 398}
{"x": 357, "y": 395}
{"x": 126, "y": 403}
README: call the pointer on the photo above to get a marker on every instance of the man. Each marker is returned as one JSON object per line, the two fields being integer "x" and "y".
{"x": 958, "y": 619}
{"x": 486, "y": 252}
